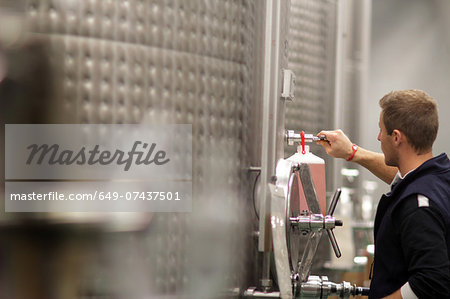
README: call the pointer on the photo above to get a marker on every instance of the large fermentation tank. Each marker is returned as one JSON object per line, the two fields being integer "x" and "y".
{"x": 168, "y": 61}
{"x": 312, "y": 57}
{"x": 199, "y": 62}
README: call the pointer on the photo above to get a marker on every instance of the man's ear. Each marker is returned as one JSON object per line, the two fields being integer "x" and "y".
{"x": 398, "y": 136}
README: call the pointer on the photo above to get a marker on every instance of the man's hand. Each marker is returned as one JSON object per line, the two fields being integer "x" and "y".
{"x": 337, "y": 145}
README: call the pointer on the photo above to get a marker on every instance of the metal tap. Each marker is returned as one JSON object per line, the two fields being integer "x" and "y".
{"x": 314, "y": 222}
{"x": 321, "y": 287}
{"x": 317, "y": 222}
{"x": 291, "y": 137}
{"x": 317, "y": 287}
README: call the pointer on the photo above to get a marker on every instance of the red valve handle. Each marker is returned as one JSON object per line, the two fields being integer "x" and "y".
{"x": 302, "y": 134}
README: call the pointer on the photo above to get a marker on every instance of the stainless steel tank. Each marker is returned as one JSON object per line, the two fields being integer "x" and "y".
{"x": 167, "y": 61}
{"x": 161, "y": 61}
{"x": 312, "y": 57}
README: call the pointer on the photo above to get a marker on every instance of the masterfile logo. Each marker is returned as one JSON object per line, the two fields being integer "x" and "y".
{"x": 98, "y": 168}
{"x": 52, "y": 155}
{"x": 96, "y": 151}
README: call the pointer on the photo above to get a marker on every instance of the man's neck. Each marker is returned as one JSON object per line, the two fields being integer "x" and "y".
{"x": 411, "y": 160}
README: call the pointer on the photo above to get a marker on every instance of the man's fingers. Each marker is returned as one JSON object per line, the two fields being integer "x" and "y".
{"x": 323, "y": 133}
{"x": 331, "y": 136}
{"x": 335, "y": 144}
{"x": 324, "y": 143}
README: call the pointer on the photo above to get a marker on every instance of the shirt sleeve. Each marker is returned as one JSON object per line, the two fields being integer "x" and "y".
{"x": 407, "y": 292}
{"x": 422, "y": 234}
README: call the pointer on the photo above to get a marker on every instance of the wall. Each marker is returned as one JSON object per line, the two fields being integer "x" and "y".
{"x": 410, "y": 49}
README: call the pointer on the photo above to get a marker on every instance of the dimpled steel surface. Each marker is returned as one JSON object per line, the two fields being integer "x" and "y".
{"x": 166, "y": 61}
{"x": 311, "y": 57}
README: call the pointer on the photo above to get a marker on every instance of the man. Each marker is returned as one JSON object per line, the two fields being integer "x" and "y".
{"x": 412, "y": 223}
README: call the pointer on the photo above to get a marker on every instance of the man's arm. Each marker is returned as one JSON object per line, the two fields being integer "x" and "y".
{"x": 405, "y": 292}
{"x": 422, "y": 234}
{"x": 339, "y": 146}
{"x": 422, "y": 231}
{"x": 396, "y": 295}
{"x": 374, "y": 162}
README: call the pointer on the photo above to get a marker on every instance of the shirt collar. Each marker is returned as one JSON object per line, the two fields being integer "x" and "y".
{"x": 398, "y": 177}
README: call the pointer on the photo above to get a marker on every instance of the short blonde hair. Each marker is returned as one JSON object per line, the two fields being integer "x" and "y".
{"x": 414, "y": 113}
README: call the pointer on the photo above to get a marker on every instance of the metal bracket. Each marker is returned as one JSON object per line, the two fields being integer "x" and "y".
{"x": 288, "y": 85}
